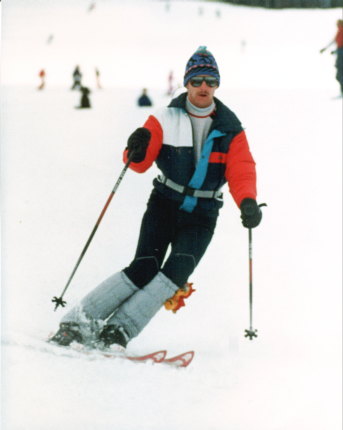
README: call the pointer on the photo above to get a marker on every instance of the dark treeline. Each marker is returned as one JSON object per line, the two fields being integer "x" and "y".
{"x": 281, "y": 4}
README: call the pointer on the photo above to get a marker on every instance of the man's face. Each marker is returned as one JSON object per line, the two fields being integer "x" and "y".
{"x": 201, "y": 96}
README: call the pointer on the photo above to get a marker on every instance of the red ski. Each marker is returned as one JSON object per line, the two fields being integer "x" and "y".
{"x": 155, "y": 357}
{"x": 160, "y": 357}
{"x": 181, "y": 360}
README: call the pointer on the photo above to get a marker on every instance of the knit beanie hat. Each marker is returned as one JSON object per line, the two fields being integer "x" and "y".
{"x": 201, "y": 62}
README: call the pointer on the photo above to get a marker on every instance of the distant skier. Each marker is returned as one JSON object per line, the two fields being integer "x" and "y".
{"x": 77, "y": 78}
{"x": 170, "y": 83}
{"x": 84, "y": 102}
{"x": 199, "y": 144}
{"x": 42, "y": 75}
{"x": 338, "y": 40}
{"x": 144, "y": 99}
{"x": 91, "y": 6}
{"x": 50, "y": 39}
{"x": 97, "y": 78}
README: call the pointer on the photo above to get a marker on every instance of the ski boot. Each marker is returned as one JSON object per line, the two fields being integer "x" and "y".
{"x": 67, "y": 333}
{"x": 114, "y": 337}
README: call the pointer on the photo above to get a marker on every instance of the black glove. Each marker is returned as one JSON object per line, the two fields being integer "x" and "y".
{"x": 251, "y": 214}
{"x": 137, "y": 144}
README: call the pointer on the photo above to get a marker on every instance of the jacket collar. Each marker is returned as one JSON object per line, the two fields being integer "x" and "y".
{"x": 224, "y": 119}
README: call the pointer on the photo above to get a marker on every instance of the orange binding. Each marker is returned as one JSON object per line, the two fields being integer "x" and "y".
{"x": 178, "y": 300}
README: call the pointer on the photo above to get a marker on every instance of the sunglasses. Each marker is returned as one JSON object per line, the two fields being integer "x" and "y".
{"x": 209, "y": 80}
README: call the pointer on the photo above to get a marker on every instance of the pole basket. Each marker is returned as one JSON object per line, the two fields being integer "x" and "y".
{"x": 58, "y": 302}
{"x": 250, "y": 334}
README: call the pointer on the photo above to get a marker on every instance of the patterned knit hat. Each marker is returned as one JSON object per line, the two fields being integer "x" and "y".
{"x": 201, "y": 62}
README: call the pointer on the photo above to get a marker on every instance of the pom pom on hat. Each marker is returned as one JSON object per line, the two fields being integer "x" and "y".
{"x": 201, "y": 62}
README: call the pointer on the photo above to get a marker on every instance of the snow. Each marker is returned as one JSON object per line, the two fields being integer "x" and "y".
{"x": 59, "y": 165}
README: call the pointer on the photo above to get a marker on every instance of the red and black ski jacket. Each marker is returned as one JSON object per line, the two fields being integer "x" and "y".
{"x": 225, "y": 156}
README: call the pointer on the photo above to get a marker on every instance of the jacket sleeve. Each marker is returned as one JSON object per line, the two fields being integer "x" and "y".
{"x": 154, "y": 147}
{"x": 240, "y": 170}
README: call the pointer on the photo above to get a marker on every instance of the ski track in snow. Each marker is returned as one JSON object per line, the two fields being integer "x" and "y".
{"x": 59, "y": 165}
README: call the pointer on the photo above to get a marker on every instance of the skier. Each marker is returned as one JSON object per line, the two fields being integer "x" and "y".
{"x": 91, "y": 6}
{"x": 77, "y": 76}
{"x": 144, "y": 99}
{"x": 338, "y": 39}
{"x": 42, "y": 75}
{"x": 199, "y": 144}
{"x": 84, "y": 102}
{"x": 170, "y": 83}
{"x": 97, "y": 78}
{"x": 50, "y": 39}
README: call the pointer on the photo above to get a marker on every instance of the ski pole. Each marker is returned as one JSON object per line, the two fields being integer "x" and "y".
{"x": 59, "y": 300}
{"x": 251, "y": 333}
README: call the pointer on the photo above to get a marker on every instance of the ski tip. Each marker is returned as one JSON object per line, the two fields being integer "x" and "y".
{"x": 156, "y": 357}
{"x": 181, "y": 360}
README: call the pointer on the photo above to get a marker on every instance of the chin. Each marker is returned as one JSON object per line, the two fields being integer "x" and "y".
{"x": 204, "y": 102}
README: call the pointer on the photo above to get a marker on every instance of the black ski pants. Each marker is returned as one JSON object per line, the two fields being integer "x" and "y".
{"x": 339, "y": 67}
{"x": 164, "y": 224}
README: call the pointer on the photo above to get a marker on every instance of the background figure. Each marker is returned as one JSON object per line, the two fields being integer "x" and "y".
{"x": 85, "y": 102}
{"x": 42, "y": 78}
{"x": 91, "y": 6}
{"x": 144, "y": 99}
{"x": 97, "y": 78}
{"x": 170, "y": 83}
{"x": 77, "y": 76}
{"x": 338, "y": 39}
{"x": 50, "y": 39}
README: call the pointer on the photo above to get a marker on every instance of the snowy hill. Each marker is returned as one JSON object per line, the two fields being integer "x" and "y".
{"x": 59, "y": 165}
